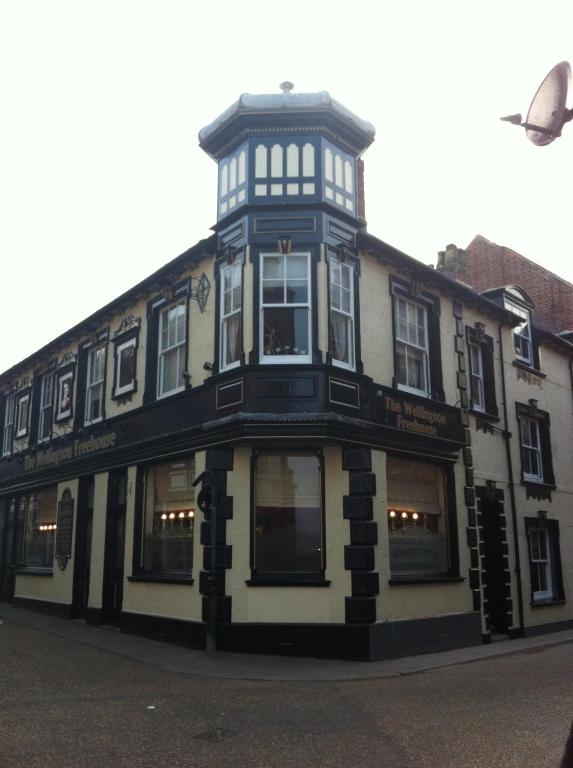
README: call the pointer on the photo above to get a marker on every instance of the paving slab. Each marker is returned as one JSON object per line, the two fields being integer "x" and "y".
{"x": 243, "y": 666}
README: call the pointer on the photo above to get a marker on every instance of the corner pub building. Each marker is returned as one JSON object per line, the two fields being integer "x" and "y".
{"x": 340, "y": 392}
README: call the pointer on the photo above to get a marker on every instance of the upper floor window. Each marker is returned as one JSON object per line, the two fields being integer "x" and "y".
{"x": 7, "y": 434}
{"x": 339, "y": 182}
{"x": 231, "y": 309}
{"x": 521, "y": 333}
{"x": 65, "y": 394}
{"x": 46, "y": 407}
{"x": 285, "y": 169}
{"x": 233, "y": 181}
{"x": 531, "y": 450}
{"x": 22, "y": 414}
{"x": 172, "y": 349}
{"x": 125, "y": 362}
{"x": 481, "y": 370}
{"x": 477, "y": 390}
{"x": 412, "y": 351}
{"x": 536, "y": 459}
{"x": 95, "y": 385}
{"x": 342, "y": 313}
{"x": 285, "y": 308}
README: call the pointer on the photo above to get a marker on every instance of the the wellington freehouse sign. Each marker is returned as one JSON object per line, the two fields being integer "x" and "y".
{"x": 52, "y": 457}
{"x": 421, "y": 419}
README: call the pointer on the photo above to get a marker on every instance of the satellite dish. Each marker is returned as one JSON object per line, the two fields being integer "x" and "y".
{"x": 547, "y": 114}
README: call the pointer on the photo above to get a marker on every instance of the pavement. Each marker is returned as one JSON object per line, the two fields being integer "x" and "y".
{"x": 235, "y": 666}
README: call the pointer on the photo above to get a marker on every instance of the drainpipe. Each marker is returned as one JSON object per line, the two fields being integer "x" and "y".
{"x": 507, "y": 437}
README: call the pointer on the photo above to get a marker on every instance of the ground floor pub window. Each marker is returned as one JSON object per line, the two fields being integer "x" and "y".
{"x": 41, "y": 514}
{"x": 416, "y": 518}
{"x": 288, "y": 513}
{"x": 169, "y": 517}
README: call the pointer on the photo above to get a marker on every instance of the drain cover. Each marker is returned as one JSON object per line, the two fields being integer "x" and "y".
{"x": 215, "y": 734}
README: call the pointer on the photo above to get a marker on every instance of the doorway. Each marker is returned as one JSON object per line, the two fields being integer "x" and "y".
{"x": 496, "y": 574}
{"x": 12, "y": 515}
{"x": 115, "y": 548}
{"x": 83, "y": 548}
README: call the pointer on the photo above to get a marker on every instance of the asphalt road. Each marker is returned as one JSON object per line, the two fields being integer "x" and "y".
{"x": 65, "y": 703}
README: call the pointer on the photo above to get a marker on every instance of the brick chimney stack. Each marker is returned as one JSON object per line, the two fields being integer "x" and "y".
{"x": 454, "y": 261}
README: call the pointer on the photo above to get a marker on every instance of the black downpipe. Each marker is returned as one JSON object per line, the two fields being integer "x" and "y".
{"x": 506, "y": 436}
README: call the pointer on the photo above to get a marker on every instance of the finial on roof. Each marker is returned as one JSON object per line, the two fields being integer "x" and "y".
{"x": 286, "y": 87}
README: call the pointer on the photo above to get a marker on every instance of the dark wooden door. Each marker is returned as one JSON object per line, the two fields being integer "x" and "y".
{"x": 83, "y": 548}
{"x": 495, "y": 566}
{"x": 115, "y": 547}
{"x": 12, "y": 514}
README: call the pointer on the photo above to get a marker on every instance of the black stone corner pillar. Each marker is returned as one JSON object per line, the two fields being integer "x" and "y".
{"x": 220, "y": 461}
{"x": 360, "y": 607}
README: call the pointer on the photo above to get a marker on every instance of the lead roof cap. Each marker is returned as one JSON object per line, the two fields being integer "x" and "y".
{"x": 255, "y": 112}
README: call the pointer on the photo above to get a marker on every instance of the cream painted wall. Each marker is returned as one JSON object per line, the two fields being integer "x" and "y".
{"x": 376, "y": 321}
{"x": 99, "y": 522}
{"x": 56, "y": 588}
{"x": 288, "y": 604}
{"x": 202, "y": 328}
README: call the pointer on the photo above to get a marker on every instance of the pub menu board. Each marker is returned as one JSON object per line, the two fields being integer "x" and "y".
{"x": 65, "y": 528}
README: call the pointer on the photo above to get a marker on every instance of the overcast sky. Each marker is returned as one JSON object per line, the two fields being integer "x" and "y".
{"x": 102, "y": 180}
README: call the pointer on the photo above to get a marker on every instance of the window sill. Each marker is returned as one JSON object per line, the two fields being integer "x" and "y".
{"x": 549, "y": 601}
{"x": 483, "y": 415}
{"x": 270, "y": 581}
{"x": 159, "y": 578}
{"x": 525, "y": 367}
{"x": 30, "y": 571}
{"x": 396, "y": 581}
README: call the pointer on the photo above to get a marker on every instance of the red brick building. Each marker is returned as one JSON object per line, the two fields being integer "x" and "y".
{"x": 485, "y": 264}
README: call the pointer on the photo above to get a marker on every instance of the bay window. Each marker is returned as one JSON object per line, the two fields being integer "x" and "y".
{"x": 285, "y": 308}
{"x": 231, "y": 315}
{"x": 342, "y": 314}
{"x": 287, "y": 537}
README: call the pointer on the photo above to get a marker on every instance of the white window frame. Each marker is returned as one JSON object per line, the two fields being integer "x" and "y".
{"x": 477, "y": 375}
{"x": 235, "y": 269}
{"x": 526, "y": 424}
{"x": 349, "y": 316}
{"x": 408, "y": 344}
{"x": 46, "y": 406}
{"x": 542, "y": 562}
{"x": 118, "y": 350}
{"x": 180, "y": 345}
{"x": 523, "y": 331}
{"x": 21, "y": 431}
{"x": 282, "y": 359}
{"x": 93, "y": 385}
{"x": 8, "y": 431}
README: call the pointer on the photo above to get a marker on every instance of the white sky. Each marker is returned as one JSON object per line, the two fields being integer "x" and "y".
{"x": 102, "y": 180}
